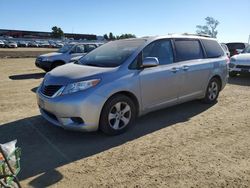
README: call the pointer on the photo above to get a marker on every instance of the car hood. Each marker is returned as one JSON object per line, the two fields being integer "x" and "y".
{"x": 51, "y": 54}
{"x": 71, "y": 72}
{"x": 242, "y": 57}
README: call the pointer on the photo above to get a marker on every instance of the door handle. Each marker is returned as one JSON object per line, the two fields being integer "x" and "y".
{"x": 175, "y": 69}
{"x": 185, "y": 67}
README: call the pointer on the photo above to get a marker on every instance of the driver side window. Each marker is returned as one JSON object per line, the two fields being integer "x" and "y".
{"x": 162, "y": 49}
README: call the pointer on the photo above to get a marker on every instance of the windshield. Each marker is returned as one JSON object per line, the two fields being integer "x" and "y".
{"x": 247, "y": 50}
{"x": 65, "y": 48}
{"x": 111, "y": 54}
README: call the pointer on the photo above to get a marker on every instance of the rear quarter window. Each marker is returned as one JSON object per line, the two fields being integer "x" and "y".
{"x": 187, "y": 49}
{"x": 212, "y": 48}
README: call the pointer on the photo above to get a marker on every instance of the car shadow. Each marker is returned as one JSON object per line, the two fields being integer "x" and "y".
{"x": 27, "y": 76}
{"x": 46, "y": 147}
{"x": 243, "y": 80}
{"x": 34, "y": 89}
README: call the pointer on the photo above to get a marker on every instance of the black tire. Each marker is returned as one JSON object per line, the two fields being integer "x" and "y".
{"x": 232, "y": 74}
{"x": 56, "y": 64}
{"x": 212, "y": 93}
{"x": 105, "y": 123}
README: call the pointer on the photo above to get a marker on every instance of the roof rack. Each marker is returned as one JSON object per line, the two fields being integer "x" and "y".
{"x": 201, "y": 35}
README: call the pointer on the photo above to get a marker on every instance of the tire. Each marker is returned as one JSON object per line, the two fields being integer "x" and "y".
{"x": 212, "y": 92}
{"x": 56, "y": 64}
{"x": 232, "y": 74}
{"x": 118, "y": 115}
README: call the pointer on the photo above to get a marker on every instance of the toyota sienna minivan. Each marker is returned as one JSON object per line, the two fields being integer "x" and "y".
{"x": 113, "y": 84}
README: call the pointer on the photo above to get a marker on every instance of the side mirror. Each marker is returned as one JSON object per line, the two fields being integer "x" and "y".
{"x": 150, "y": 62}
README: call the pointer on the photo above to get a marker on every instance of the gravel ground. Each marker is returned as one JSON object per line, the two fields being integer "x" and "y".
{"x": 189, "y": 145}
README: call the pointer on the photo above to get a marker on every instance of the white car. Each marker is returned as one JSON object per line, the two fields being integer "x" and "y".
{"x": 240, "y": 63}
{"x": 11, "y": 44}
{"x": 2, "y": 44}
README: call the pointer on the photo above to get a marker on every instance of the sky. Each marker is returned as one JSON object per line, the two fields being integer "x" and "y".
{"x": 139, "y": 17}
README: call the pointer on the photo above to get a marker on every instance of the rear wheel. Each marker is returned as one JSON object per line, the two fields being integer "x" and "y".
{"x": 118, "y": 114}
{"x": 213, "y": 90}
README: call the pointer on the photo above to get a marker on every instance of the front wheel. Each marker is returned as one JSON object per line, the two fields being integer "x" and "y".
{"x": 118, "y": 114}
{"x": 212, "y": 92}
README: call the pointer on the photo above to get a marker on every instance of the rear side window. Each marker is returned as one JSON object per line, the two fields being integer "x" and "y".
{"x": 188, "y": 49}
{"x": 213, "y": 49}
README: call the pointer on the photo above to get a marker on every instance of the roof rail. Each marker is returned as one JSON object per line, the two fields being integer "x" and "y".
{"x": 201, "y": 35}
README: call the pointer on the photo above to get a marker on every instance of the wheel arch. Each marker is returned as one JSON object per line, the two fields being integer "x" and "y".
{"x": 129, "y": 94}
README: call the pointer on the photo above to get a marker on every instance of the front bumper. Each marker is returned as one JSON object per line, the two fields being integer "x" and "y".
{"x": 45, "y": 65}
{"x": 240, "y": 69}
{"x": 82, "y": 105}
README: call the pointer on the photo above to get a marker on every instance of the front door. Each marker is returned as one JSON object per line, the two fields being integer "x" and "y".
{"x": 159, "y": 85}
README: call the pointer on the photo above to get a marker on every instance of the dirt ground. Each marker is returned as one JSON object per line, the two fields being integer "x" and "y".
{"x": 190, "y": 145}
{"x": 24, "y": 52}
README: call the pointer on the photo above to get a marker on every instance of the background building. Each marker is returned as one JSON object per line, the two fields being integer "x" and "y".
{"x": 42, "y": 35}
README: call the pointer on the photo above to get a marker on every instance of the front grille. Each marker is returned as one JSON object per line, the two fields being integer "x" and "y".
{"x": 243, "y": 66}
{"x": 50, "y": 90}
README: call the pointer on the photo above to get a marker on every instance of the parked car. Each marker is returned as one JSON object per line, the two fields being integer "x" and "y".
{"x": 11, "y": 44}
{"x": 22, "y": 44}
{"x": 236, "y": 47}
{"x": 113, "y": 84}
{"x": 33, "y": 44}
{"x": 240, "y": 63}
{"x": 44, "y": 44}
{"x": 49, "y": 61}
{"x": 225, "y": 48}
{"x": 2, "y": 44}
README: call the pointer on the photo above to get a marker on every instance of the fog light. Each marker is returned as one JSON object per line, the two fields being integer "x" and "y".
{"x": 77, "y": 120}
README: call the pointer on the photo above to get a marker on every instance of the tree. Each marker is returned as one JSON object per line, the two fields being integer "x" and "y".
{"x": 127, "y": 36}
{"x": 117, "y": 37}
{"x": 57, "y": 32}
{"x": 106, "y": 37}
{"x": 209, "y": 28}
{"x": 111, "y": 36}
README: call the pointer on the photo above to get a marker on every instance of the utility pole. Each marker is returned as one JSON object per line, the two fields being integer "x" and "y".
{"x": 249, "y": 39}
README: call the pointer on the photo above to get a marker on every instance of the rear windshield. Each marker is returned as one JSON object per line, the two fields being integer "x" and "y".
{"x": 213, "y": 49}
{"x": 232, "y": 46}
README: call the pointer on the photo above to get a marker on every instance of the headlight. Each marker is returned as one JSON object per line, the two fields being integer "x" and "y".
{"x": 45, "y": 59}
{"x": 79, "y": 86}
{"x": 231, "y": 65}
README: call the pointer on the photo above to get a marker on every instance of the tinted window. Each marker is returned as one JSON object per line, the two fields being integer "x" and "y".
{"x": 213, "y": 49}
{"x": 161, "y": 49}
{"x": 188, "y": 50}
{"x": 232, "y": 46}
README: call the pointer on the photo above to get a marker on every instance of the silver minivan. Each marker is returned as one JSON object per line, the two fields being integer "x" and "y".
{"x": 113, "y": 84}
